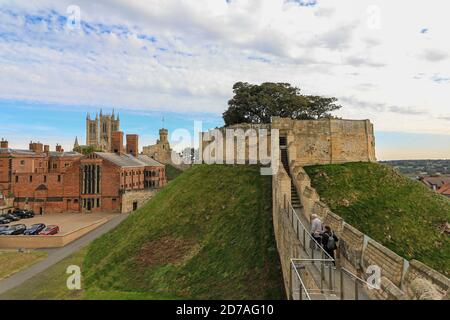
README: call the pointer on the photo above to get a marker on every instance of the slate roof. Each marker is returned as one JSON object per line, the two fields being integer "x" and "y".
{"x": 64, "y": 154}
{"x": 127, "y": 160}
{"x": 149, "y": 161}
{"x": 17, "y": 151}
{"x": 32, "y": 153}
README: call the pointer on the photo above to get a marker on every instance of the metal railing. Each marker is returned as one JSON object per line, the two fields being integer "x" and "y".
{"x": 303, "y": 293}
{"x": 320, "y": 263}
{"x": 320, "y": 267}
{"x": 359, "y": 286}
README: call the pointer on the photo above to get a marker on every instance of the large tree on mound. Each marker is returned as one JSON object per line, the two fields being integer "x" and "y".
{"x": 258, "y": 103}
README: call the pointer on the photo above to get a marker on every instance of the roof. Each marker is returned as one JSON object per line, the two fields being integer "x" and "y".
{"x": 64, "y": 154}
{"x": 127, "y": 160}
{"x": 149, "y": 161}
{"x": 33, "y": 153}
{"x": 19, "y": 151}
{"x": 436, "y": 181}
{"x": 445, "y": 189}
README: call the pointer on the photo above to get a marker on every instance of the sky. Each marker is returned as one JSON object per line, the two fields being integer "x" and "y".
{"x": 387, "y": 61}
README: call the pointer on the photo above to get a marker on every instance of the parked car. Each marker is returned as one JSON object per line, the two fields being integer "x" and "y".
{"x": 23, "y": 214}
{"x": 11, "y": 216}
{"x": 3, "y": 228}
{"x": 49, "y": 230}
{"x": 34, "y": 229}
{"x": 4, "y": 220}
{"x": 14, "y": 230}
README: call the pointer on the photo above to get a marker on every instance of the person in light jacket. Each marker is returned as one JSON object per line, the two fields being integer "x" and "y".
{"x": 316, "y": 228}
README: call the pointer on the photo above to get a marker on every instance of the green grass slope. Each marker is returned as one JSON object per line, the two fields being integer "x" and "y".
{"x": 207, "y": 235}
{"x": 172, "y": 172}
{"x": 400, "y": 213}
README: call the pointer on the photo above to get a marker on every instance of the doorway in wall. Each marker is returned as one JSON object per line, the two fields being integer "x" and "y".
{"x": 283, "y": 142}
{"x": 135, "y": 205}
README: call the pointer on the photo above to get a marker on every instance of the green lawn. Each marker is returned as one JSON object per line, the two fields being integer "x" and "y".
{"x": 400, "y": 213}
{"x": 12, "y": 262}
{"x": 51, "y": 285}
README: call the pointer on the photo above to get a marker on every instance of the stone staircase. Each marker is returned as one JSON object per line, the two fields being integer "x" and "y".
{"x": 295, "y": 199}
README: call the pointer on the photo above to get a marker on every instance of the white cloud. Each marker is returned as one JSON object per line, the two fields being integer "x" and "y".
{"x": 185, "y": 55}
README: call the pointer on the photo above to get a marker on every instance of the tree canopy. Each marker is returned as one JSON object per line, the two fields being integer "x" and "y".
{"x": 259, "y": 103}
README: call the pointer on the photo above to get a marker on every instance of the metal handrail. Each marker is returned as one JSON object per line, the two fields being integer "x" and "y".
{"x": 319, "y": 260}
{"x": 302, "y": 285}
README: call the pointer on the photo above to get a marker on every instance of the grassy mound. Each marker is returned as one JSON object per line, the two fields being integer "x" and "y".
{"x": 172, "y": 172}
{"x": 207, "y": 235}
{"x": 400, "y": 213}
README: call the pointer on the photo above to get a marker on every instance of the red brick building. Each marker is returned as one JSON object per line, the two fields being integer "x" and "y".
{"x": 57, "y": 181}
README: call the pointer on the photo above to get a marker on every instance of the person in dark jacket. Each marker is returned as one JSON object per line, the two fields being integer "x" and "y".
{"x": 329, "y": 242}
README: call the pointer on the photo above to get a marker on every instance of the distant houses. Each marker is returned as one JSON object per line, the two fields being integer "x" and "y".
{"x": 440, "y": 184}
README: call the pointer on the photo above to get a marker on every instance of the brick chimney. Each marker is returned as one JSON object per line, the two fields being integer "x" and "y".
{"x": 117, "y": 142}
{"x": 133, "y": 144}
{"x": 46, "y": 148}
{"x": 36, "y": 146}
{"x": 59, "y": 148}
{"x": 4, "y": 144}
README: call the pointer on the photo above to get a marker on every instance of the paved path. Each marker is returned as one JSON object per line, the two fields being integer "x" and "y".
{"x": 57, "y": 254}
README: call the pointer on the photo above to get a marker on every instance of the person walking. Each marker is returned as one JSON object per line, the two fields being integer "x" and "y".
{"x": 329, "y": 242}
{"x": 316, "y": 228}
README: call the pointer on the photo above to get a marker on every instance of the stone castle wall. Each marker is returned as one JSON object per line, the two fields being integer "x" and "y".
{"x": 310, "y": 142}
{"x": 287, "y": 243}
{"x": 139, "y": 196}
{"x": 328, "y": 141}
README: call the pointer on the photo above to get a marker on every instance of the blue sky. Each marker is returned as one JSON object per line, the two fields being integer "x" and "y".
{"x": 21, "y": 122}
{"x": 385, "y": 61}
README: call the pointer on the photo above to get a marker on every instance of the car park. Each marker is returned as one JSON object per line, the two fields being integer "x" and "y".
{"x": 23, "y": 214}
{"x": 4, "y": 220}
{"x": 14, "y": 230}
{"x": 11, "y": 216}
{"x": 34, "y": 229}
{"x": 49, "y": 230}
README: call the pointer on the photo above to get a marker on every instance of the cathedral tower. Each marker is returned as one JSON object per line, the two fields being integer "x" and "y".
{"x": 99, "y": 131}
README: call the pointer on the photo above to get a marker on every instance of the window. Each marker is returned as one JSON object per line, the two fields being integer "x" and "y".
{"x": 45, "y": 178}
{"x": 55, "y": 166}
{"x": 98, "y": 203}
{"x": 75, "y": 201}
{"x": 59, "y": 178}
{"x": 17, "y": 178}
{"x": 22, "y": 162}
{"x": 31, "y": 178}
